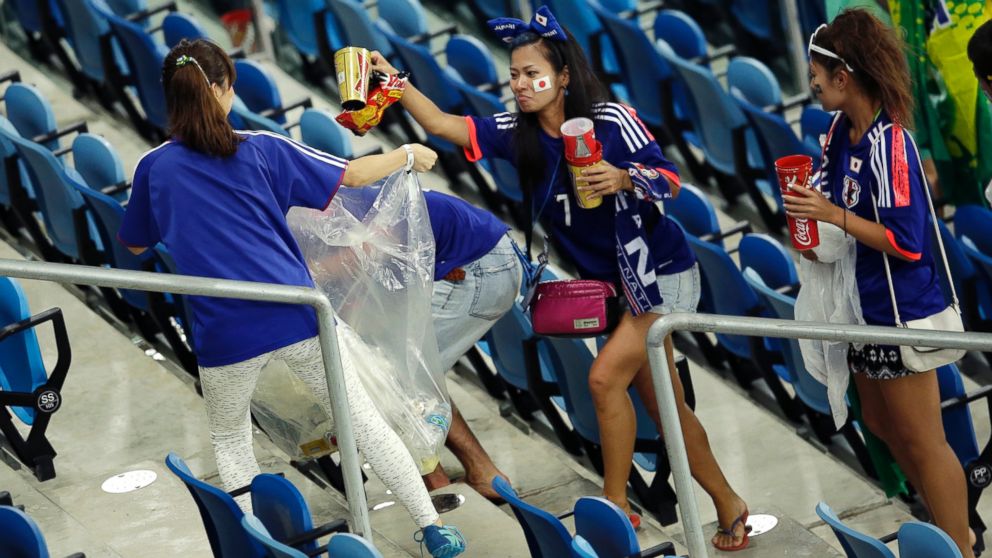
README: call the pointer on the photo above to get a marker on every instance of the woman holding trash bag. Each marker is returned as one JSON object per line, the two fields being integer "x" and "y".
{"x": 874, "y": 189}
{"x": 552, "y": 82}
{"x": 218, "y": 200}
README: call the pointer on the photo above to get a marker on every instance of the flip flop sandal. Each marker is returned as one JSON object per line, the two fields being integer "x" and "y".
{"x": 731, "y": 532}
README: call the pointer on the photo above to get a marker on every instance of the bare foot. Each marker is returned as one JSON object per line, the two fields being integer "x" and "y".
{"x": 731, "y": 532}
{"x": 482, "y": 482}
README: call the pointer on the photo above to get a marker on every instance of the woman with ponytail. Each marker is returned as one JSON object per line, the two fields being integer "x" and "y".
{"x": 874, "y": 189}
{"x": 625, "y": 240}
{"x": 217, "y": 199}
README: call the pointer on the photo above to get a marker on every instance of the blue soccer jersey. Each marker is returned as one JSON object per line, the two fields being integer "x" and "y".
{"x": 587, "y": 236}
{"x": 226, "y": 218}
{"x": 885, "y": 164}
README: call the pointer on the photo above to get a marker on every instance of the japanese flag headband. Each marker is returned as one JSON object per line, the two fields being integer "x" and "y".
{"x": 543, "y": 24}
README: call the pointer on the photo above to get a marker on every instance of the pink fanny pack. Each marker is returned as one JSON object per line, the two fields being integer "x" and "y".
{"x": 574, "y": 308}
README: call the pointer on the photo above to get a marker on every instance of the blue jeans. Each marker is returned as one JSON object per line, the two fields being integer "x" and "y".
{"x": 465, "y": 310}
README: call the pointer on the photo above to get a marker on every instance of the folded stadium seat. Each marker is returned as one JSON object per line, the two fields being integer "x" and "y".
{"x": 722, "y": 132}
{"x": 97, "y": 161}
{"x": 144, "y": 56}
{"x": 407, "y": 19}
{"x": 577, "y": 16}
{"x": 971, "y": 227}
{"x": 319, "y": 130}
{"x": 758, "y": 27}
{"x": 474, "y": 63}
{"x": 173, "y": 309}
{"x": 242, "y": 118}
{"x": 177, "y": 26}
{"x": 21, "y": 536}
{"x": 222, "y": 517}
{"x": 571, "y": 360}
{"x": 314, "y": 34}
{"x": 438, "y": 86}
{"x": 285, "y": 514}
{"x": 17, "y": 196}
{"x": 523, "y": 362}
{"x": 98, "y": 54}
{"x": 731, "y": 296}
{"x": 582, "y": 549}
{"x": 855, "y": 543}
{"x": 344, "y": 545}
{"x": 686, "y": 38}
{"x": 608, "y": 531}
{"x": 814, "y": 122}
{"x": 971, "y": 284}
{"x": 923, "y": 540}
{"x": 651, "y": 87}
{"x": 26, "y": 389}
{"x": 769, "y": 138}
{"x": 256, "y": 87}
{"x": 44, "y": 28}
{"x": 604, "y": 527}
{"x": 489, "y": 9}
{"x": 810, "y": 392}
{"x": 32, "y": 115}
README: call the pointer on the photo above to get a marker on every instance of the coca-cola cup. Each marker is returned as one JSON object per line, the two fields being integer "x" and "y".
{"x": 581, "y": 152}
{"x": 796, "y": 171}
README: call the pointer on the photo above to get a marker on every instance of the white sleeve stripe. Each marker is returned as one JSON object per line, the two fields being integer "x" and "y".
{"x": 150, "y": 151}
{"x": 627, "y": 124}
{"x": 629, "y": 119}
{"x": 877, "y": 171}
{"x": 623, "y": 132}
{"x": 309, "y": 151}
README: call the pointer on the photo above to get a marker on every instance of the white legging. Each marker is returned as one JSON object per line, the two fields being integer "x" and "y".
{"x": 228, "y": 389}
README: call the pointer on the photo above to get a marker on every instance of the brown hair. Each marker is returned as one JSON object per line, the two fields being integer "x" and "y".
{"x": 876, "y": 53}
{"x": 195, "y": 116}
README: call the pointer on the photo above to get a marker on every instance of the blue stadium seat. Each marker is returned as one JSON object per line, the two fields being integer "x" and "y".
{"x": 26, "y": 389}
{"x": 473, "y": 61}
{"x": 21, "y": 536}
{"x": 757, "y": 25}
{"x": 855, "y": 543}
{"x": 31, "y": 114}
{"x": 144, "y": 56}
{"x": 242, "y": 118}
{"x": 923, "y": 540}
{"x": 814, "y": 122}
{"x": 693, "y": 210}
{"x": 97, "y": 161}
{"x": 357, "y": 27}
{"x": 257, "y": 531}
{"x": 408, "y": 19}
{"x": 312, "y": 30}
{"x": 582, "y": 549}
{"x": 608, "y": 531}
{"x": 319, "y": 130}
{"x": 722, "y": 133}
{"x": 256, "y": 87}
{"x": 489, "y": 9}
{"x": 220, "y": 514}
{"x": 17, "y": 194}
{"x": 285, "y": 514}
{"x": 682, "y": 32}
{"x": 749, "y": 79}
{"x": 581, "y": 21}
{"x": 972, "y": 287}
{"x": 177, "y": 26}
{"x": 546, "y": 536}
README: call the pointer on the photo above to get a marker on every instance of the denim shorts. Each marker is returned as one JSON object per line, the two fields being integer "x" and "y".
{"x": 679, "y": 291}
{"x": 465, "y": 310}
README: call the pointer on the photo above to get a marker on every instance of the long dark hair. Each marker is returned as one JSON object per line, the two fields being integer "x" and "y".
{"x": 195, "y": 116}
{"x": 584, "y": 89}
{"x": 980, "y": 51}
{"x": 878, "y": 56}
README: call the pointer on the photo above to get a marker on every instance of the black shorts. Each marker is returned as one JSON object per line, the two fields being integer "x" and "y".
{"x": 878, "y": 362}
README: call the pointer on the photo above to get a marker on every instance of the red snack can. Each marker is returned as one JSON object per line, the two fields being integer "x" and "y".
{"x": 796, "y": 171}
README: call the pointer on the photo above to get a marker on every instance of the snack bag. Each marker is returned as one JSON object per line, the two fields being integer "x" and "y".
{"x": 388, "y": 90}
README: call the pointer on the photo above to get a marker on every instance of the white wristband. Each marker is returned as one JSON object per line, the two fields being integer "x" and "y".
{"x": 409, "y": 157}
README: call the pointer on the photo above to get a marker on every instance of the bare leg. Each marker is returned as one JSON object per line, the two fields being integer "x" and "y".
{"x": 620, "y": 363}
{"x": 913, "y": 407}
{"x": 479, "y": 467}
{"x": 438, "y": 478}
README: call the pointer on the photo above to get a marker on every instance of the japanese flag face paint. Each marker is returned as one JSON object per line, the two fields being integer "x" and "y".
{"x": 542, "y": 83}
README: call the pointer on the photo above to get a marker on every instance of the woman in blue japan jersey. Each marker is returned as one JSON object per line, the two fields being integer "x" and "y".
{"x": 218, "y": 200}
{"x": 870, "y": 160}
{"x": 625, "y": 240}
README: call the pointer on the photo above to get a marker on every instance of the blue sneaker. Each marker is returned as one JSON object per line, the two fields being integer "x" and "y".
{"x": 442, "y": 542}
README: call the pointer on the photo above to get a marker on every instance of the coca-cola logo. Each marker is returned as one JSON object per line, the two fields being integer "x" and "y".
{"x": 802, "y": 235}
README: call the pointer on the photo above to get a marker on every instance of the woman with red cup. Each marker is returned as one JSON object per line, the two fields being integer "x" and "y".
{"x": 873, "y": 188}
{"x": 625, "y": 239}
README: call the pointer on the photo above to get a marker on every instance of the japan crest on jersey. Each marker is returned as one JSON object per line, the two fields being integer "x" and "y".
{"x": 852, "y": 192}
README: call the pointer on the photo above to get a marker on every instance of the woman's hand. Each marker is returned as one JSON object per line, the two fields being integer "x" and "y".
{"x": 423, "y": 157}
{"x": 807, "y": 203}
{"x": 604, "y": 179}
{"x": 378, "y": 62}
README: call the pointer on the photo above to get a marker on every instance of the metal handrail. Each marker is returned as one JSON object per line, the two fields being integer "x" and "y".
{"x": 246, "y": 290}
{"x": 763, "y": 327}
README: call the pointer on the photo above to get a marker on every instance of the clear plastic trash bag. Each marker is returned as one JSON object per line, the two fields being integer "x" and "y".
{"x": 288, "y": 411}
{"x": 372, "y": 252}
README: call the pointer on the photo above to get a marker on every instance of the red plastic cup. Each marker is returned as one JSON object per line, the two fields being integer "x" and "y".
{"x": 796, "y": 171}
{"x": 581, "y": 151}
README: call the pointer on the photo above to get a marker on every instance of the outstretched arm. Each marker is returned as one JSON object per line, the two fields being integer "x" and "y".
{"x": 437, "y": 122}
{"x": 368, "y": 169}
